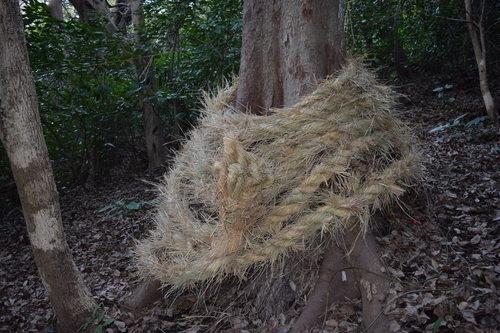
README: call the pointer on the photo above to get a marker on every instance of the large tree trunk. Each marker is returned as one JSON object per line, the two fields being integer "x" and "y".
{"x": 287, "y": 47}
{"x": 153, "y": 127}
{"x": 97, "y": 13}
{"x": 21, "y": 134}
{"x": 477, "y": 35}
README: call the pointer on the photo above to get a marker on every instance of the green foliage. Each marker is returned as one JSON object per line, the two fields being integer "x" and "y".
{"x": 97, "y": 320}
{"x": 437, "y": 324}
{"x": 198, "y": 46}
{"x": 454, "y": 123}
{"x": 430, "y": 33}
{"x": 84, "y": 86}
{"x": 88, "y": 86}
{"x": 440, "y": 93}
{"x": 479, "y": 121}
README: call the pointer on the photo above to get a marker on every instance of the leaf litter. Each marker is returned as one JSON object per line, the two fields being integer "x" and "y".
{"x": 444, "y": 259}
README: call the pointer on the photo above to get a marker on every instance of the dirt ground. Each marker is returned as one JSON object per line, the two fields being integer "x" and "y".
{"x": 443, "y": 254}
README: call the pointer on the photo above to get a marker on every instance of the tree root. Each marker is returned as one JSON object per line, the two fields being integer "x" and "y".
{"x": 145, "y": 293}
{"x": 334, "y": 284}
{"x": 346, "y": 271}
{"x": 330, "y": 287}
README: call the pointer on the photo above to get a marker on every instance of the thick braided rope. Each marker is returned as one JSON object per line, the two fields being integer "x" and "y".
{"x": 337, "y": 210}
{"x": 316, "y": 167}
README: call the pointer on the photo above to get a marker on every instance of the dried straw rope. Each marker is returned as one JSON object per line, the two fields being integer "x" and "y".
{"x": 246, "y": 189}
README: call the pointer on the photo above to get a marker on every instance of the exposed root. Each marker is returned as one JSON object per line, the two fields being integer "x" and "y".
{"x": 143, "y": 294}
{"x": 334, "y": 283}
{"x": 373, "y": 284}
{"x": 331, "y": 286}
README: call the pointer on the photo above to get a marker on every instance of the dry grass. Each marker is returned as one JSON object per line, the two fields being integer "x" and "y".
{"x": 247, "y": 190}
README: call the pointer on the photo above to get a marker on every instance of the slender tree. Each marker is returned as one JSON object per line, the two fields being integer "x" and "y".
{"x": 287, "y": 47}
{"x": 21, "y": 135}
{"x": 477, "y": 35}
{"x": 153, "y": 127}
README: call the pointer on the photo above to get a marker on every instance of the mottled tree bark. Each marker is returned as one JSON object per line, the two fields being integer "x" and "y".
{"x": 287, "y": 47}
{"x": 477, "y": 34}
{"x": 21, "y": 135}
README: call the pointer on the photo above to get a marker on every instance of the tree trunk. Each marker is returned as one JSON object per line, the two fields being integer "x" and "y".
{"x": 401, "y": 65}
{"x": 21, "y": 134}
{"x": 477, "y": 35}
{"x": 400, "y": 58}
{"x": 287, "y": 47}
{"x": 153, "y": 127}
{"x": 56, "y": 9}
{"x": 90, "y": 10}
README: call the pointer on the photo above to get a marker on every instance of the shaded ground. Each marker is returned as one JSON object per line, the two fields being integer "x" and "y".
{"x": 444, "y": 256}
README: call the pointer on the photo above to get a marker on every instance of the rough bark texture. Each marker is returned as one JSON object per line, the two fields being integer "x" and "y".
{"x": 287, "y": 47}
{"x": 21, "y": 134}
{"x": 122, "y": 15}
{"x": 477, "y": 35}
{"x": 153, "y": 127}
{"x": 362, "y": 276}
{"x": 404, "y": 71}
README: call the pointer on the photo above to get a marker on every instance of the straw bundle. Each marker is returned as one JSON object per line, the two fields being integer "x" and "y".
{"x": 246, "y": 190}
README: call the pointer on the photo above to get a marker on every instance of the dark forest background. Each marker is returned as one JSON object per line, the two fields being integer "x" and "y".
{"x": 89, "y": 88}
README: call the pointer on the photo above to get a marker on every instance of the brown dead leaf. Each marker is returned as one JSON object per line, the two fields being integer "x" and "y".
{"x": 347, "y": 309}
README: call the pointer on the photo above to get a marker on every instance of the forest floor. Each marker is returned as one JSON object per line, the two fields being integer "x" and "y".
{"x": 444, "y": 256}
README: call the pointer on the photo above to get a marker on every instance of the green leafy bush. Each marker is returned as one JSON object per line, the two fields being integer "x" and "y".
{"x": 198, "y": 47}
{"x": 88, "y": 88}
{"x": 431, "y": 33}
{"x": 84, "y": 85}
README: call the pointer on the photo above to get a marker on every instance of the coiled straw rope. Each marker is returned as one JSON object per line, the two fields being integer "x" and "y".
{"x": 246, "y": 190}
